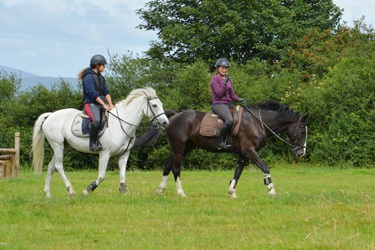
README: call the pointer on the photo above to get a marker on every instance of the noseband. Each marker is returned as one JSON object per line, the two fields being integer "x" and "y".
{"x": 152, "y": 111}
{"x": 296, "y": 147}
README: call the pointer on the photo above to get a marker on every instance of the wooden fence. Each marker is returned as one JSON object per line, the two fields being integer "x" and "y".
{"x": 10, "y": 159}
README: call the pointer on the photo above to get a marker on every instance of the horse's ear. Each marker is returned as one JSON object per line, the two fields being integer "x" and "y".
{"x": 303, "y": 118}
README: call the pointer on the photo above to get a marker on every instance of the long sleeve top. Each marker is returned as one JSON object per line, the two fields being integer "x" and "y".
{"x": 91, "y": 90}
{"x": 221, "y": 92}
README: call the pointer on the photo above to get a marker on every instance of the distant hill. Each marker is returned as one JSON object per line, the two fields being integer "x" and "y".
{"x": 29, "y": 79}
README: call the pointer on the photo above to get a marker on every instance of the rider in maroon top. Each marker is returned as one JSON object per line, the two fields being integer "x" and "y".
{"x": 222, "y": 94}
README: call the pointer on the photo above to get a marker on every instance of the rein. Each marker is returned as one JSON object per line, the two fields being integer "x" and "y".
{"x": 123, "y": 121}
{"x": 294, "y": 147}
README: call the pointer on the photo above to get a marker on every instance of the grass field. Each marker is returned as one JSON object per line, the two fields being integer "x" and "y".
{"x": 315, "y": 208}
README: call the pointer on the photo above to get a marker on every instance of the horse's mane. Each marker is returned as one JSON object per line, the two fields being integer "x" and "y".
{"x": 136, "y": 93}
{"x": 282, "y": 109}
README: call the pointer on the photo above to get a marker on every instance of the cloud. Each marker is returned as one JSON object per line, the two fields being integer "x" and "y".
{"x": 58, "y": 37}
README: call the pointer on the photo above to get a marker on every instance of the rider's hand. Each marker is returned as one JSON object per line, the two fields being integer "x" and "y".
{"x": 242, "y": 102}
{"x": 106, "y": 107}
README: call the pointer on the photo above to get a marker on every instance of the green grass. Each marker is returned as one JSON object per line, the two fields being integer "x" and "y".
{"x": 315, "y": 208}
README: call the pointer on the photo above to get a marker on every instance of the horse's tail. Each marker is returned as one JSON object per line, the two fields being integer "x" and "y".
{"x": 152, "y": 135}
{"x": 38, "y": 143}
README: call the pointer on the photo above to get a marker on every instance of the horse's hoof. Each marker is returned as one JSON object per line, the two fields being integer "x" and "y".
{"x": 72, "y": 195}
{"x": 47, "y": 194}
{"x": 232, "y": 194}
{"x": 122, "y": 190}
{"x": 159, "y": 191}
{"x": 85, "y": 192}
{"x": 271, "y": 189}
{"x": 182, "y": 194}
{"x": 71, "y": 192}
{"x": 272, "y": 192}
{"x": 231, "y": 188}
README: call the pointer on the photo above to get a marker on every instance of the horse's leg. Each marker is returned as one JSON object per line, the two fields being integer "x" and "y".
{"x": 58, "y": 160}
{"x": 253, "y": 155}
{"x": 176, "y": 168}
{"x": 50, "y": 171}
{"x": 242, "y": 161}
{"x": 167, "y": 169}
{"x": 122, "y": 166}
{"x": 103, "y": 162}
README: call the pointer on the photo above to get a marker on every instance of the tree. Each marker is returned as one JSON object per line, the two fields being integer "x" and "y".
{"x": 318, "y": 50}
{"x": 236, "y": 29}
{"x": 9, "y": 84}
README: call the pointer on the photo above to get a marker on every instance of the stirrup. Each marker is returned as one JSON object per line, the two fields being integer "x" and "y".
{"x": 223, "y": 146}
{"x": 95, "y": 147}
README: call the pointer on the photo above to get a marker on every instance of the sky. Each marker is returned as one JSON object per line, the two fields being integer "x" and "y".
{"x": 58, "y": 37}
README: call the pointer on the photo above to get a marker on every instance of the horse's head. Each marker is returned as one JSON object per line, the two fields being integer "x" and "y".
{"x": 297, "y": 133}
{"x": 154, "y": 109}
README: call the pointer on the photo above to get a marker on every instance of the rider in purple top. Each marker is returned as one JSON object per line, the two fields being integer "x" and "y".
{"x": 222, "y": 94}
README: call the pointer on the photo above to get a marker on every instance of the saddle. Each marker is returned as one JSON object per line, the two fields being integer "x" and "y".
{"x": 211, "y": 124}
{"x": 82, "y": 123}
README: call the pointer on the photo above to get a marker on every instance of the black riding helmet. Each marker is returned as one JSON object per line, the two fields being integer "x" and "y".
{"x": 222, "y": 62}
{"x": 97, "y": 60}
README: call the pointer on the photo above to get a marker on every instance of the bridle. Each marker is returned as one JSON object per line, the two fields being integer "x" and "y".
{"x": 293, "y": 147}
{"x": 296, "y": 147}
{"x": 121, "y": 121}
{"x": 152, "y": 111}
{"x": 149, "y": 107}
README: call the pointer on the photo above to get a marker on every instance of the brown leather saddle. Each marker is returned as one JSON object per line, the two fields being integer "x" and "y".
{"x": 82, "y": 123}
{"x": 211, "y": 124}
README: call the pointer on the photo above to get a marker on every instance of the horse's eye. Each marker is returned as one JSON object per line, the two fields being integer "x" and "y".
{"x": 154, "y": 105}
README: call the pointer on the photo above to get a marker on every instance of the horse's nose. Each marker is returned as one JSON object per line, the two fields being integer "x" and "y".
{"x": 165, "y": 123}
{"x": 300, "y": 153}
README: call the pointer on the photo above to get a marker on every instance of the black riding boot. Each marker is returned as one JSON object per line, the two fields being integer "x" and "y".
{"x": 223, "y": 136}
{"x": 94, "y": 145}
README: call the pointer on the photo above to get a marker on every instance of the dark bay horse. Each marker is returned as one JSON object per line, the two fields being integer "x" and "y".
{"x": 258, "y": 122}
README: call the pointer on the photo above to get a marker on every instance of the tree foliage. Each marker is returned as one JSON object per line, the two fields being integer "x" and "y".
{"x": 236, "y": 29}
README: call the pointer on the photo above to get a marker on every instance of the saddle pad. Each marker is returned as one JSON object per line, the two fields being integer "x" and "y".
{"x": 209, "y": 125}
{"x": 81, "y": 126}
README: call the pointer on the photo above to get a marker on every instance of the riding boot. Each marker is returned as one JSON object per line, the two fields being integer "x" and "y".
{"x": 94, "y": 145}
{"x": 223, "y": 136}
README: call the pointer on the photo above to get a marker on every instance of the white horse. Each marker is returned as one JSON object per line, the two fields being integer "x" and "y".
{"x": 117, "y": 139}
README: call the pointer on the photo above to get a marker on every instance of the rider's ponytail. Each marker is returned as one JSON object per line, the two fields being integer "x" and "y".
{"x": 81, "y": 74}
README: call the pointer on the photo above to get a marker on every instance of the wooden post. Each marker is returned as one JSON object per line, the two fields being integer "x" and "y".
{"x": 6, "y": 165}
{"x": 10, "y": 159}
{"x": 16, "y": 163}
{"x": 2, "y": 168}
